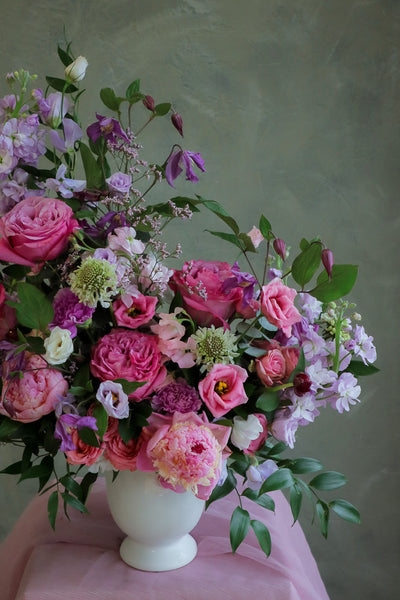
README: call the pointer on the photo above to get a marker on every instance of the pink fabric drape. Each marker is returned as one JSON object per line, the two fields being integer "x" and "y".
{"x": 81, "y": 559}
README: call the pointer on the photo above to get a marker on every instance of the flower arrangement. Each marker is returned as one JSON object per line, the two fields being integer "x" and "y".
{"x": 117, "y": 361}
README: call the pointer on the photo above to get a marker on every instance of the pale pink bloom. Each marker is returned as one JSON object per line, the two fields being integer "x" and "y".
{"x": 170, "y": 331}
{"x": 123, "y": 239}
{"x": 256, "y": 236}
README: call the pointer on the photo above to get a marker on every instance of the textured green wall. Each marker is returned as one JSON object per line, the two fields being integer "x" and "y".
{"x": 294, "y": 106}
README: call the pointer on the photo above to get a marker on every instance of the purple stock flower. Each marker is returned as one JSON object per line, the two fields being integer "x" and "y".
{"x": 243, "y": 280}
{"x": 71, "y": 421}
{"x": 113, "y": 398}
{"x": 105, "y": 127}
{"x": 362, "y": 345}
{"x": 69, "y": 312}
{"x": 176, "y": 397}
{"x": 185, "y": 159}
{"x": 347, "y": 392}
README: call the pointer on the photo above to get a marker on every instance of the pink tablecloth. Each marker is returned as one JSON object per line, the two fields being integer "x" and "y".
{"x": 81, "y": 560}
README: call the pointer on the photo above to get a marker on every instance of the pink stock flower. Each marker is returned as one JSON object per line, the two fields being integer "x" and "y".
{"x": 35, "y": 394}
{"x": 277, "y": 305}
{"x": 133, "y": 312}
{"x": 222, "y": 389}
{"x": 37, "y": 229}
{"x": 130, "y": 355}
{"x": 186, "y": 450}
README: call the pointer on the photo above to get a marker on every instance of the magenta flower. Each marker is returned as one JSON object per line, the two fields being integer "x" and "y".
{"x": 69, "y": 312}
{"x": 183, "y": 159}
{"x": 177, "y": 396}
{"x": 105, "y": 127}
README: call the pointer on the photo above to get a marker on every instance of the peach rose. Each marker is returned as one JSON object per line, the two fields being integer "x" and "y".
{"x": 83, "y": 453}
{"x": 122, "y": 456}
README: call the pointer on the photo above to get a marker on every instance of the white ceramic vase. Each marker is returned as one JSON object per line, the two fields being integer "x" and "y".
{"x": 157, "y": 521}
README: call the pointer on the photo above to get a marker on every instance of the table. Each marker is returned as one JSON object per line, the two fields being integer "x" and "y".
{"x": 80, "y": 559}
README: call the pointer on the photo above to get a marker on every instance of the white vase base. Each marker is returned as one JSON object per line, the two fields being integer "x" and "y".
{"x": 171, "y": 556}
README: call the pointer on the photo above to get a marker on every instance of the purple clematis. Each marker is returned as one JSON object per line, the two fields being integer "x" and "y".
{"x": 243, "y": 280}
{"x": 183, "y": 159}
{"x": 107, "y": 128}
{"x": 70, "y": 421}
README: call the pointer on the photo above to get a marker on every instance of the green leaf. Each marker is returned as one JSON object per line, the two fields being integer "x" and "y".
{"x": 279, "y": 480}
{"x": 228, "y": 237}
{"x": 253, "y": 351}
{"x": 52, "y": 508}
{"x": 247, "y": 242}
{"x": 330, "y": 480}
{"x": 220, "y": 491}
{"x": 108, "y": 97}
{"x": 8, "y": 428}
{"x": 305, "y": 264}
{"x": 263, "y": 536}
{"x": 343, "y": 280}
{"x": 39, "y": 471}
{"x": 93, "y": 172}
{"x": 219, "y": 210}
{"x": 162, "y": 109}
{"x": 82, "y": 377}
{"x": 87, "y": 435}
{"x": 126, "y": 430}
{"x": 265, "y": 227}
{"x": 36, "y": 345}
{"x": 65, "y": 58}
{"x": 34, "y": 310}
{"x": 345, "y": 510}
{"x": 133, "y": 88}
{"x": 61, "y": 85}
{"x": 323, "y": 517}
{"x": 268, "y": 401}
{"x": 72, "y": 486}
{"x": 74, "y": 502}
{"x": 13, "y": 469}
{"x": 359, "y": 369}
{"x": 101, "y": 417}
{"x": 264, "y": 500}
{"x": 295, "y": 498}
{"x": 240, "y": 525}
{"x": 86, "y": 484}
{"x": 304, "y": 244}
{"x": 305, "y": 465}
{"x": 16, "y": 271}
{"x": 47, "y": 462}
{"x": 129, "y": 386}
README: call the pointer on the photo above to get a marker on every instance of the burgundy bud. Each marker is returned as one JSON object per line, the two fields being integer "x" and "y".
{"x": 280, "y": 248}
{"x": 327, "y": 261}
{"x": 149, "y": 103}
{"x": 177, "y": 122}
{"x": 301, "y": 384}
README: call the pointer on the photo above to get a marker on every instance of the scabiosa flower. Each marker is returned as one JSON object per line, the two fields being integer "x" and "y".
{"x": 214, "y": 345}
{"x": 186, "y": 159}
{"x": 177, "y": 396}
{"x": 112, "y": 396}
{"x": 94, "y": 281}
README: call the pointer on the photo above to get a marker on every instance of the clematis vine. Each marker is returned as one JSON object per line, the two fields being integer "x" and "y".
{"x": 107, "y": 128}
{"x": 183, "y": 159}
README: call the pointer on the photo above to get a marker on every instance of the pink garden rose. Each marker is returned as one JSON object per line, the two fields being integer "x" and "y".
{"x": 83, "y": 453}
{"x": 277, "y": 364}
{"x": 33, "y": 396}
{"x": 222, "y": 389}
{"x": 132, "y": 312}
{"x": 185, "y": 450}
{"x": 35, "y": 230}
{"x": 201, "y": 286}
{"x": 277, "y": 305}
{"x": 122, "y": 456}
{"x": 131, "y": 355}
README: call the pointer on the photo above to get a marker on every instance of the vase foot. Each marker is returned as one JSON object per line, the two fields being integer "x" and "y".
{"x": 171, "y": 556}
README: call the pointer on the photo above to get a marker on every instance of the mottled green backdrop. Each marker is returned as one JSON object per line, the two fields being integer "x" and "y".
{"x": 294, "y": 106}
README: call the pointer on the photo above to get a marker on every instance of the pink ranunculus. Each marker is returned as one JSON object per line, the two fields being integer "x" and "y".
{"x": 83, "y": 453}
{"x": 257, "y": 443}
{"x": 35, "y": 230}
{"x": 201, "y": 285}
{"x": 277, "y": 305}
{"x": 36, "y": 394}
{"x": 133, "y": 312}
{"x": 185, "y": 450}
{"x": 131, "y": 355}
{"x": 222, "y": 389}
{"x": 122, "y": 456}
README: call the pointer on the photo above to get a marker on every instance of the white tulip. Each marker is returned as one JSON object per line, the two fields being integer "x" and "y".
{"x": 59, "y": 346}
{"x": 76, "y": 70}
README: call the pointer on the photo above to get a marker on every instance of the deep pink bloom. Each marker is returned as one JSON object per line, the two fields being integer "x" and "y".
{"x": 133, "y": 312}
{"x": 258, "y": 442}
{"x": 177, "y": 396}
{"x": 177, "y": 122}
{"x": 69, "y": 312}
{"x": 222, "y": 388}
{"x": 106, "y": 127}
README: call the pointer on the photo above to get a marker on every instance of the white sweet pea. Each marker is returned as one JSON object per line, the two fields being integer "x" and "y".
{"x": 245, "y": 431}
{"x": 76, "y": 71}
{"x": 59, "y": 346}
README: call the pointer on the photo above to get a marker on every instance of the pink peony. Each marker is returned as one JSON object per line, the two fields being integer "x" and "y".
{"x": 35, "y": 230}
{"x": 130, "y": 355}
{"x": 36, "y": 394}
{"x": 83, "y": 453}
{"x": 222, "y": 389}
{"x": 277, "y": 305}
{"x": 201, "y": 285}
{"x": 122, "y": 456}
{"x": 186, "y": 450}
{"x": 132, "y": 312}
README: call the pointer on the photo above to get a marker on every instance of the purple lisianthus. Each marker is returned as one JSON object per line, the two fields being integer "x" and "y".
{"x": 53, "y": 108}
{"x": 119, "y": 183}
{"x": 176, "y": 397}
{"x": 107, "y": 128}
{"x": 71, "y": 421}
{"x": 183, "y": 159}
{"x": 243, "y": 280}
{"x": 69, "y": 312}
{"x": 112, "y": 396}
{"x": 256, "y": 475}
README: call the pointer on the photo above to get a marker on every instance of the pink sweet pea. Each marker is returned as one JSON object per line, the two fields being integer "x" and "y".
{"x": 277, "y": 305}
{"x": 222, "y": 389}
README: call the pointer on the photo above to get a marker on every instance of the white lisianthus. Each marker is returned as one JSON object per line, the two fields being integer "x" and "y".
{"x": 244, "y": 431}
{"x": 59, "y": 346}
{"x": 76, "y": 71}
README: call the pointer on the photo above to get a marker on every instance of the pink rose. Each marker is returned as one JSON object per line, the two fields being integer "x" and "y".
{"x": 33, "y": 396}
{"x": 83, "y": 453}
{"x": 291, "y": 356}
{"x": 222, "y": 389}
{"x": 132, "y": 312}
{"x": 35, "y": 230}
{"x": 271, "y": 367}
{"x": 130, "y": 355}
{"x": 201, "y": 286}
{"x": 122, "y": 456}
{"x": 277, "y": 305}
{"x": 257, "y": 443}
